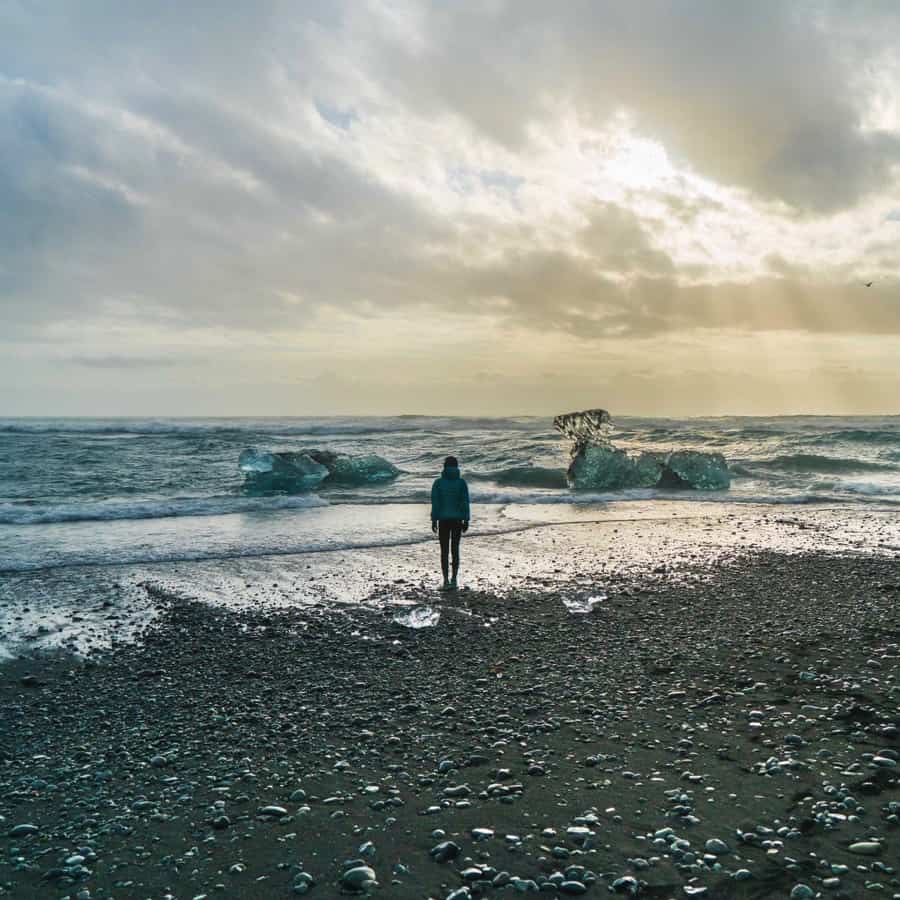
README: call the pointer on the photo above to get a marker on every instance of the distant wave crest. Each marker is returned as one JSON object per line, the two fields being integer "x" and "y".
{"x": 861, "y": 435}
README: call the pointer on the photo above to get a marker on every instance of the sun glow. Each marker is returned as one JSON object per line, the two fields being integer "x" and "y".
{"x": 639, "y": 163}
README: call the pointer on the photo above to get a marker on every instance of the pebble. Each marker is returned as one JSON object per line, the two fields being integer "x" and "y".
{"x": 865, "y": 848}
{"x": 370, "y": 755}
{"x": 358, "y": 878}
{"x": 445, "y": 851}
{"x": 802, "y": 892}
{"x": 460, "y": 790}
{"x": 578, "y": 834}
{"x": 714, "y": 845}
{"x": 273, "y": 811}
{"x": 23, "y": 830}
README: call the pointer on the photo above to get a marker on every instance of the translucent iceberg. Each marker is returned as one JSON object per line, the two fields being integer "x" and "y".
{"x": 608, "y": 468}
{"x": 704, "y": 471}
{"x": 591, "y": 426}
{"x": 307, "y": 469}
{"x": 295, "y": 467}
{"x": 598, "y": 465}
{"x": 366, "y": 469}
{"x": 418, "y": 617}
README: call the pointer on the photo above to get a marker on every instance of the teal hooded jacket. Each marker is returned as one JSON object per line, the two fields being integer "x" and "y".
{"x": 450, "y": 496}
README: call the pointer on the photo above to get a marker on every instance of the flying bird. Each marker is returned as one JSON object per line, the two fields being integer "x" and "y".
{"x": 869, "y": 283}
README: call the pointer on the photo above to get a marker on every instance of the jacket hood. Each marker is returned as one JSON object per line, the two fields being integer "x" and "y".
{"x": 450, "y": 472}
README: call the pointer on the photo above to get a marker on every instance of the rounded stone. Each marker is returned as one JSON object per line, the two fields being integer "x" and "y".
{"x": 802, "y": 892}
{"x": 714, "y": 845}
{"x": 865, "y": 848}
{"x": 445, "y": 851}
{"x": 358, "y": 878}
{"x": 273, "y": 811}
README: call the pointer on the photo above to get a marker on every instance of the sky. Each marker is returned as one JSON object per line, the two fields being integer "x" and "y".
{"x": 670, "y": 207}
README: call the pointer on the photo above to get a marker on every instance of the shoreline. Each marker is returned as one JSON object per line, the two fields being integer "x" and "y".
{"x": 87, "y": 610}
{"x": 696, "y": 698}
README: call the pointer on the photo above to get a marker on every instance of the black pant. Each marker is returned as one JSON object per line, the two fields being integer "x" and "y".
{"x": 449, "y": 531}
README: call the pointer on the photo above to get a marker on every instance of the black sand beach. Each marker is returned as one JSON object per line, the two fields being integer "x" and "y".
{"x": 720, "y": 725}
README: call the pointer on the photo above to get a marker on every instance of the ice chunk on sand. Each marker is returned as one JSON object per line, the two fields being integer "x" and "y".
{"x": 581, "y": 605}
{"x": 418, "y": 617}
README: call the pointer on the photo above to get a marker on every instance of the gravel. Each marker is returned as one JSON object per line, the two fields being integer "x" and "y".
{"x": 720, "y": 731}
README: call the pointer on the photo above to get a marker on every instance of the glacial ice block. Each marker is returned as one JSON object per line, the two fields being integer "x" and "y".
{"x": 704, "y": 471}
{"x": 598, "y": 465}
{"x": 609, "y": 468}
{"x": 288, "y": 466}
{"x": 366, "y": 469}
{"x": 592, "y": 426}
{"x": 307, "y": 469}
{"x": 418, "y": 617}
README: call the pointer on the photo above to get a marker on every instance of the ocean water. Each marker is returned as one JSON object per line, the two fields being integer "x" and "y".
{"x": 76, "y": 492}
{"x": 99, "y": 518}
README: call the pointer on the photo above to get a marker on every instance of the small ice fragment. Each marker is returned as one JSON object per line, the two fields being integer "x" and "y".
{"x": 581, "y": 605}
{"x": 418, "y": 617}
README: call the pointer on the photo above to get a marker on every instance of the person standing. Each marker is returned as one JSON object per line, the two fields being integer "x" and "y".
{"x": 450, "y": 516}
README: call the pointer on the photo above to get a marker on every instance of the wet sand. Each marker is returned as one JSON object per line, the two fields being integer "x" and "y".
{"x": 723, "y": 724}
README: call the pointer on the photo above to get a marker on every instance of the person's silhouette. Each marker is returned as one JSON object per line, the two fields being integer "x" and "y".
{"x": 449, "y": 516}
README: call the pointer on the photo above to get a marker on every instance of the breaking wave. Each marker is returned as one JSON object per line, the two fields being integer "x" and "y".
{"x": 105, "y": 511}
{"x": 811, "y": 462}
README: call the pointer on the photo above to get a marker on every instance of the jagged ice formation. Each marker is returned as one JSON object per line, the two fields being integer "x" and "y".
{"x": 598, "y": 465}
{"x": 307, "y": 469}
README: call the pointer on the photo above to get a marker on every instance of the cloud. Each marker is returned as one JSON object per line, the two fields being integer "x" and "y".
{"x": 765, "y": 98}
{"x": 300, "y": 178}
{"x": 567, "y": 292}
